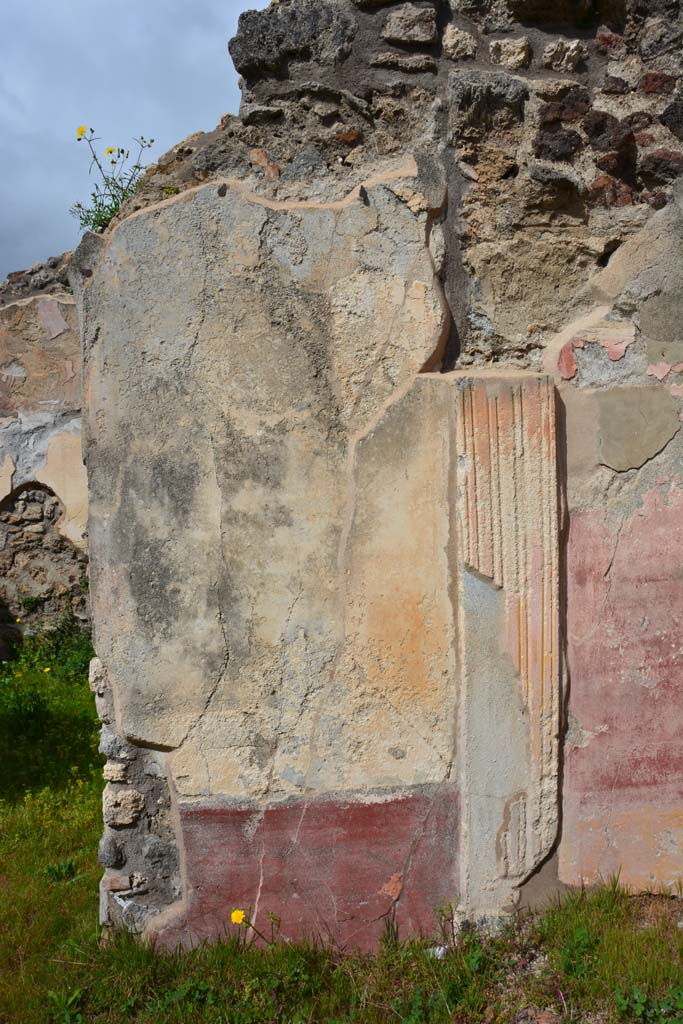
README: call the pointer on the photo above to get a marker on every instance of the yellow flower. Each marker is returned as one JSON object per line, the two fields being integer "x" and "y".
{"x": 80, "y": 131}
{"x": 47, "y": 670}
{"x": 110, "y": 150}
{"x": 238, "y": 917}
{"x": 17, "y": 620}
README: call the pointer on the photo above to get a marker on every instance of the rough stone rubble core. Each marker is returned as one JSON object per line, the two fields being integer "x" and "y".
{"x": 336, "y": 356}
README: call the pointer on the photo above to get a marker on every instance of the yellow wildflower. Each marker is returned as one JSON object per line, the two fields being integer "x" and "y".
{"x": 80, "y": 131}
{"x": 238, "y": 917}
{"x": 110, "y": 150}
{"x": 47, "y": 670}
{"x": 17, "y": 620}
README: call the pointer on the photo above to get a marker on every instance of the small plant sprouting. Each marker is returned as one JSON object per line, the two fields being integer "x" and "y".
{"x": 578, "y": 953}
{"x": 119, "y": 181}
{"x": 193, "y": 994}
{"x": 636, "y": 1005}
{"x": 65, "y": 1007}
{"x": 61, "y": 871}
{"x": 240, "y": 917}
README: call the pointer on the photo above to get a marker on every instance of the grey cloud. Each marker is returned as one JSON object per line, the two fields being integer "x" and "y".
{"x": 155, "y": 68}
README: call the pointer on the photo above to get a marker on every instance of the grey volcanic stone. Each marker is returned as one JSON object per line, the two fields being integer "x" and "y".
{"x": 412, "y": 63}
{"x": 411, "y": 24}
{"x": 481, "y": 93}
{"x": 110, "y": 853}
{"x": 311, "y": 30}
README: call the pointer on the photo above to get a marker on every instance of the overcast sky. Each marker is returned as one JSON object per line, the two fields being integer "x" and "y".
{"x": 125, "y": 67}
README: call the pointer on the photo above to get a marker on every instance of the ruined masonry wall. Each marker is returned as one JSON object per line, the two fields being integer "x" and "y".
{"x": 383, "y": 388}
{"x": 43, "y": 485}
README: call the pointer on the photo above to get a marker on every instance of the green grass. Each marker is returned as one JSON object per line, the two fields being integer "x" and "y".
{"x": 48, "y": 726}
{"x": 601, "y": 956}
{"x": 606, "y": 941}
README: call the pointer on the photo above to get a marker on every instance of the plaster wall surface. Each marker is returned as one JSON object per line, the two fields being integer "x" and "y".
{"x": 383, "y": 386}
{"x": 623, "y": 781}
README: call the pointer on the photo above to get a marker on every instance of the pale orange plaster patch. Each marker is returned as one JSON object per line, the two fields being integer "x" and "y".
{"x": 658, "y": 370}
{"x": 393, "y": 887}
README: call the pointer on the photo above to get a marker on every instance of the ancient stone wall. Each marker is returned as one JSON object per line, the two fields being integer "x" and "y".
{"x": 383, "y": 391}
{"x": 43, "y": 486}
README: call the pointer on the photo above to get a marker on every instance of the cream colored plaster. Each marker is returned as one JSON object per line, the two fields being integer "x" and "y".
{"x": 63, "y": 471}
{"x": 6, "y": 476}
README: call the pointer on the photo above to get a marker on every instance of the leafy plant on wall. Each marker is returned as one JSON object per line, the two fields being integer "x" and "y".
{"x": 119, "y": 181}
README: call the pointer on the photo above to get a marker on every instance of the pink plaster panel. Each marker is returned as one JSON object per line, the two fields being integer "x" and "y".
{"x": 623, "y": 791}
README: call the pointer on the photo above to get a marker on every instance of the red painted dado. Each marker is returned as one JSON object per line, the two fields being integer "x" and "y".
{"x": 623, "y": 785}
{"x": 325, "y": 868}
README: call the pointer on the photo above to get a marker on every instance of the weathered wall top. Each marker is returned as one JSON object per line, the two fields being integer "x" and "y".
{"x": 558, "y": 127}
{"x": 49, "y": 278}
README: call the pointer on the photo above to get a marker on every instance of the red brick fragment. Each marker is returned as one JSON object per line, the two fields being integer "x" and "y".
{"x": 657, "y": 82}
{"x": 608, "y": 191}
{"x": 609, "y": 42}
{"x": 661, "y": 166}
{"x": 566, "y": 364}
{"x": 351, "y": 137}
{"x": 117, "y": 882}
{"x": 657, "y": 200}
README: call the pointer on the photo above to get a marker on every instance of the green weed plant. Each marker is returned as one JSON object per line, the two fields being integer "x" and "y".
{"x": 119, "y": 177}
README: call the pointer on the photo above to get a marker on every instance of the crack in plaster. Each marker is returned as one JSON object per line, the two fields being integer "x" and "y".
{"x": 636, "y": 469}
{"x": 412, "y": 850}
{"x": 260, "y": 881}
{"x": 278, "y": 728}
{"x": 395, "y": 171}
{"x": 608, "y": 570}
{"x": 226, "y": 648}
